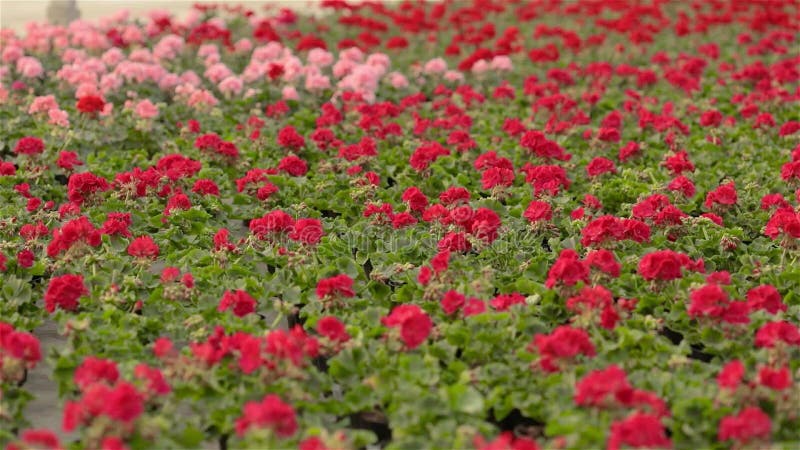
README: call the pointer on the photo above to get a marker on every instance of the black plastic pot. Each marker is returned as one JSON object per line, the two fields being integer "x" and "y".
{"x": 367, "y": 267}
{"x": 374, "y": 421}
{"x": 697, "y": 352}
{"x": 24, "y": 379}
{"x": 517, "y": 423}
{"x": 328, "y": 214}
{"x": 294, "y": 318}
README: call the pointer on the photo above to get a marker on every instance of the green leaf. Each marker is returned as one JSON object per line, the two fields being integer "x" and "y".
{"x": 465, "y": 399}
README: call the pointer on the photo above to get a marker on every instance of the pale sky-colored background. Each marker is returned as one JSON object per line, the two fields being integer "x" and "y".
{"x": 16, "y": 13}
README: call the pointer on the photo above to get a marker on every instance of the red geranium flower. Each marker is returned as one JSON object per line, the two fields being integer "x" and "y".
{"x": 37, "y": 438}
{"x": 776, "y": 379}
{"x": 29, "y": 145}
{"x": 90, "y": 104}
{"x": 505, "y": 441}
{"x": 68, "y": 160}
{"x": 724, "y": 195}
{"x": 638, "y": 430}
{"x": 567, "y": 270}
{"x": 95, "y": 370}
{"x": 538, "y": 211}
{"x": 143, "y": 247}
{"x": 731, "y": 375}
{"x": 306, "y": 231}
{"x": 63, "y": 292}
{"x": 780, "y": 332}
{"x": 602, "y": 388}
{"x": 339, "y": 285}
{"x": 414, "y": 324}
{"x": 766, "y": 297}
{"x": 272, "y": 413}
{"x": 333, "y": 329}
{"x": 664, "y": 265}
{"x": 293, "y": 165}
{"x": 750, "y": 424}
{"x": 240, "y": 302}
{"x": 563, "y": 343}
{"x": 416, "y": 200}
{"x": 452, "y": 302}
{"x": 123, "y": 403}
{"x": 289, "y": 138}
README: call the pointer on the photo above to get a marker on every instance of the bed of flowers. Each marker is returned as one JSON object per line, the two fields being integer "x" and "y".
{"x": 482, "y": 224}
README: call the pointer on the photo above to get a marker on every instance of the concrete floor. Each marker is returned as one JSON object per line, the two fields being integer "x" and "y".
{"x": 44, "y": 411}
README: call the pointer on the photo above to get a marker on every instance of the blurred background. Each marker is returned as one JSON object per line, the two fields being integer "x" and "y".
{"x": 15, "y": 14}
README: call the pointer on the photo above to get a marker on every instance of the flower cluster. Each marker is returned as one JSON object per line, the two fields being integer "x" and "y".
{"x": 19, "y": 350}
